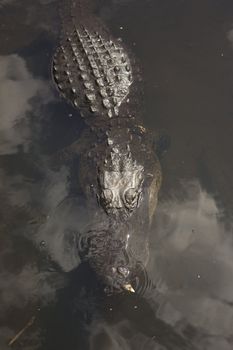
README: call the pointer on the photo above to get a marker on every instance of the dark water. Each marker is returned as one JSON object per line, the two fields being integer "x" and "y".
{"x": 186, "y": 52}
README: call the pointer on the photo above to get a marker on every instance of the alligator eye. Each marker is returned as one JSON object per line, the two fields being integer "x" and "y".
{"x": 130, "y": 195}
{"x": 107, "y": 196}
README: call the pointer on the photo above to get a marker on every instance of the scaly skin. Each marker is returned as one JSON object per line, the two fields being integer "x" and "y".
{"x": 118, "y": 164}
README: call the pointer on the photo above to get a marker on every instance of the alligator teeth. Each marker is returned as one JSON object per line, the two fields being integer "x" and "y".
{"x": 129, "y": 288}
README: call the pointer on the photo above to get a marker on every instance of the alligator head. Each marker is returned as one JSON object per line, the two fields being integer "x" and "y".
{"x": 120, "y": 182}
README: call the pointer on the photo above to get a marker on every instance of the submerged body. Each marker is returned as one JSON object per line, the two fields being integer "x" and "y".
{"x": 118, "y": 165}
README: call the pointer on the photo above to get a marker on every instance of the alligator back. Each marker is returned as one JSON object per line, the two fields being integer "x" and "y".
{"x": 91, "y": 69}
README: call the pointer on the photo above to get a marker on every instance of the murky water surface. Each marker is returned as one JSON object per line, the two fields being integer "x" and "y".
{"x": 186, "y": 52}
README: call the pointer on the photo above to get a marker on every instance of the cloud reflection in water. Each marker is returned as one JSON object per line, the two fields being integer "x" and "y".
{"x": 192, "y": 260}
{"x": 17, "y": 88}
{"x": 191, "y": 250}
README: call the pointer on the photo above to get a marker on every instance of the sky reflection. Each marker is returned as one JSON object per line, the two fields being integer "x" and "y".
{"x": 188, "y": 64}
{"x": 192, "y": 261}
{"x": 17, "y": 89}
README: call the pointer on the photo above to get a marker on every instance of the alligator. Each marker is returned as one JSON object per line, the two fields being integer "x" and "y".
{"x": 119, "y": 169}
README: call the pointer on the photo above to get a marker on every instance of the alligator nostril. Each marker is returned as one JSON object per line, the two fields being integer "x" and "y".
{"x": 118, "y": 203}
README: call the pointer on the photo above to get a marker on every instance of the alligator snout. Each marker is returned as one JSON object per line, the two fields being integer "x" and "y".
{"x": 107, "y": 255}
{"x": 118, "y": 279}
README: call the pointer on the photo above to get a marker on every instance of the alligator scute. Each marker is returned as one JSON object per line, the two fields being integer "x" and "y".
{"x": 92, "y": 72}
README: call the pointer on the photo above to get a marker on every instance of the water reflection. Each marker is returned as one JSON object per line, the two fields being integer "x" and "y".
{"x": 28, "y": 285}
{"x": 120, "y": 337}
{"x": 192, "y": 266}
{"x": 5, "y": 2}
{"x": 17, "y": 89}
{"x": 230, "y": 36}
{"x": 193, "y": 263}
{"x": 26, "y": 281}
{"x": 191, "y": 260}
